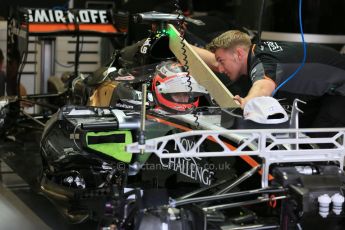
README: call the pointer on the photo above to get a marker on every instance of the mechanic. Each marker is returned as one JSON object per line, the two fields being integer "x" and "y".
{"x": 320, "y": 83}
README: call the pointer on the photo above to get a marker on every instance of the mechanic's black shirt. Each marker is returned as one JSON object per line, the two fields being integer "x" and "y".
{"x": 323, "y": 72}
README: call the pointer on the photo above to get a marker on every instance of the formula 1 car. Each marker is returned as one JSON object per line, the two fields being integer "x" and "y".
{"x": 202, "y": 179}
{"x": 195, "y": 183}
{"x": 293, "y": 184}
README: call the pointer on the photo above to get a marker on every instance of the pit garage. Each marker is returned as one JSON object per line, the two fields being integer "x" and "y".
{"x": 175, "y": 114}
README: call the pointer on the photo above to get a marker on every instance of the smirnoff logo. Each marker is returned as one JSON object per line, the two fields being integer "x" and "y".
{"x": 189, "y": 167}
{"x": 61, "y": 16}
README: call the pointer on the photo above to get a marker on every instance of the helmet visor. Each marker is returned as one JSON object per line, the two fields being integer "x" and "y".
{"x": 182, "y": 98}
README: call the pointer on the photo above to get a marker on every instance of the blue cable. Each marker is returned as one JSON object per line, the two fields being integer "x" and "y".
{"x": 304, "y": 51}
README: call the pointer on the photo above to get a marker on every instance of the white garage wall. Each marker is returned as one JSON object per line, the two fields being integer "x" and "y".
{"x": 65, "y": 54}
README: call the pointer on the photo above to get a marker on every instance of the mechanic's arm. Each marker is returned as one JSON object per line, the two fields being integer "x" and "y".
{"x": 263, "y": 87}
{"x": 208, "y": 57}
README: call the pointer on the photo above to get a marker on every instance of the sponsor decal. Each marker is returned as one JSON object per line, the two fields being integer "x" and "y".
{"x": 274, "y": 47}
{"x": 145, "y": 46}
{"x": 61, "y": 16}
{"x": 253, "y": 74}
{"x": 125, "y": 106}
{"x": 190, "y": 167}
{"x": 125, "y": 78}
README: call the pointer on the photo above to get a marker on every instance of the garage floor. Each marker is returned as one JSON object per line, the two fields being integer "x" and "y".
{"x": 22, "y": 208}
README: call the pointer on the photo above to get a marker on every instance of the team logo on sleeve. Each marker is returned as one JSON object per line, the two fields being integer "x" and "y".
{"x": 274, "y": 47}
{"x": 252, "y": 74}
{"x": 257, "y": 72}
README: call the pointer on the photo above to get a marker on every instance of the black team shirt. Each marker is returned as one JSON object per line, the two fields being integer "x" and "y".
{"x": 322, "y": 74}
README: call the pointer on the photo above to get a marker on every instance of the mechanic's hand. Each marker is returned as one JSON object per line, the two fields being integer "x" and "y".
{"x": 239, "y": 100}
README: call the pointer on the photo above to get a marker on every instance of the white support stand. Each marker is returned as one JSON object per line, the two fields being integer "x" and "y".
{"x": 271, "y": 146}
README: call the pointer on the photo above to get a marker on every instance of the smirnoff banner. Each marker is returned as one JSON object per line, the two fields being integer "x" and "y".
{"x": 69, "y": 16}
{"x": 46, "y": 21}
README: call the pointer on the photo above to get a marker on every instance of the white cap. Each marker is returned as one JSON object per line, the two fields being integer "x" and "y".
{"x": 265, "y": 110}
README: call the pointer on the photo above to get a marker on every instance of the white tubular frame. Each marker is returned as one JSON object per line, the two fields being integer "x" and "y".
{"x": 273, "y": 146}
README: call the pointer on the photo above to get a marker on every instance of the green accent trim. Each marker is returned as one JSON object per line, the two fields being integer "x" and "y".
{"x": 115, "y": 150}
